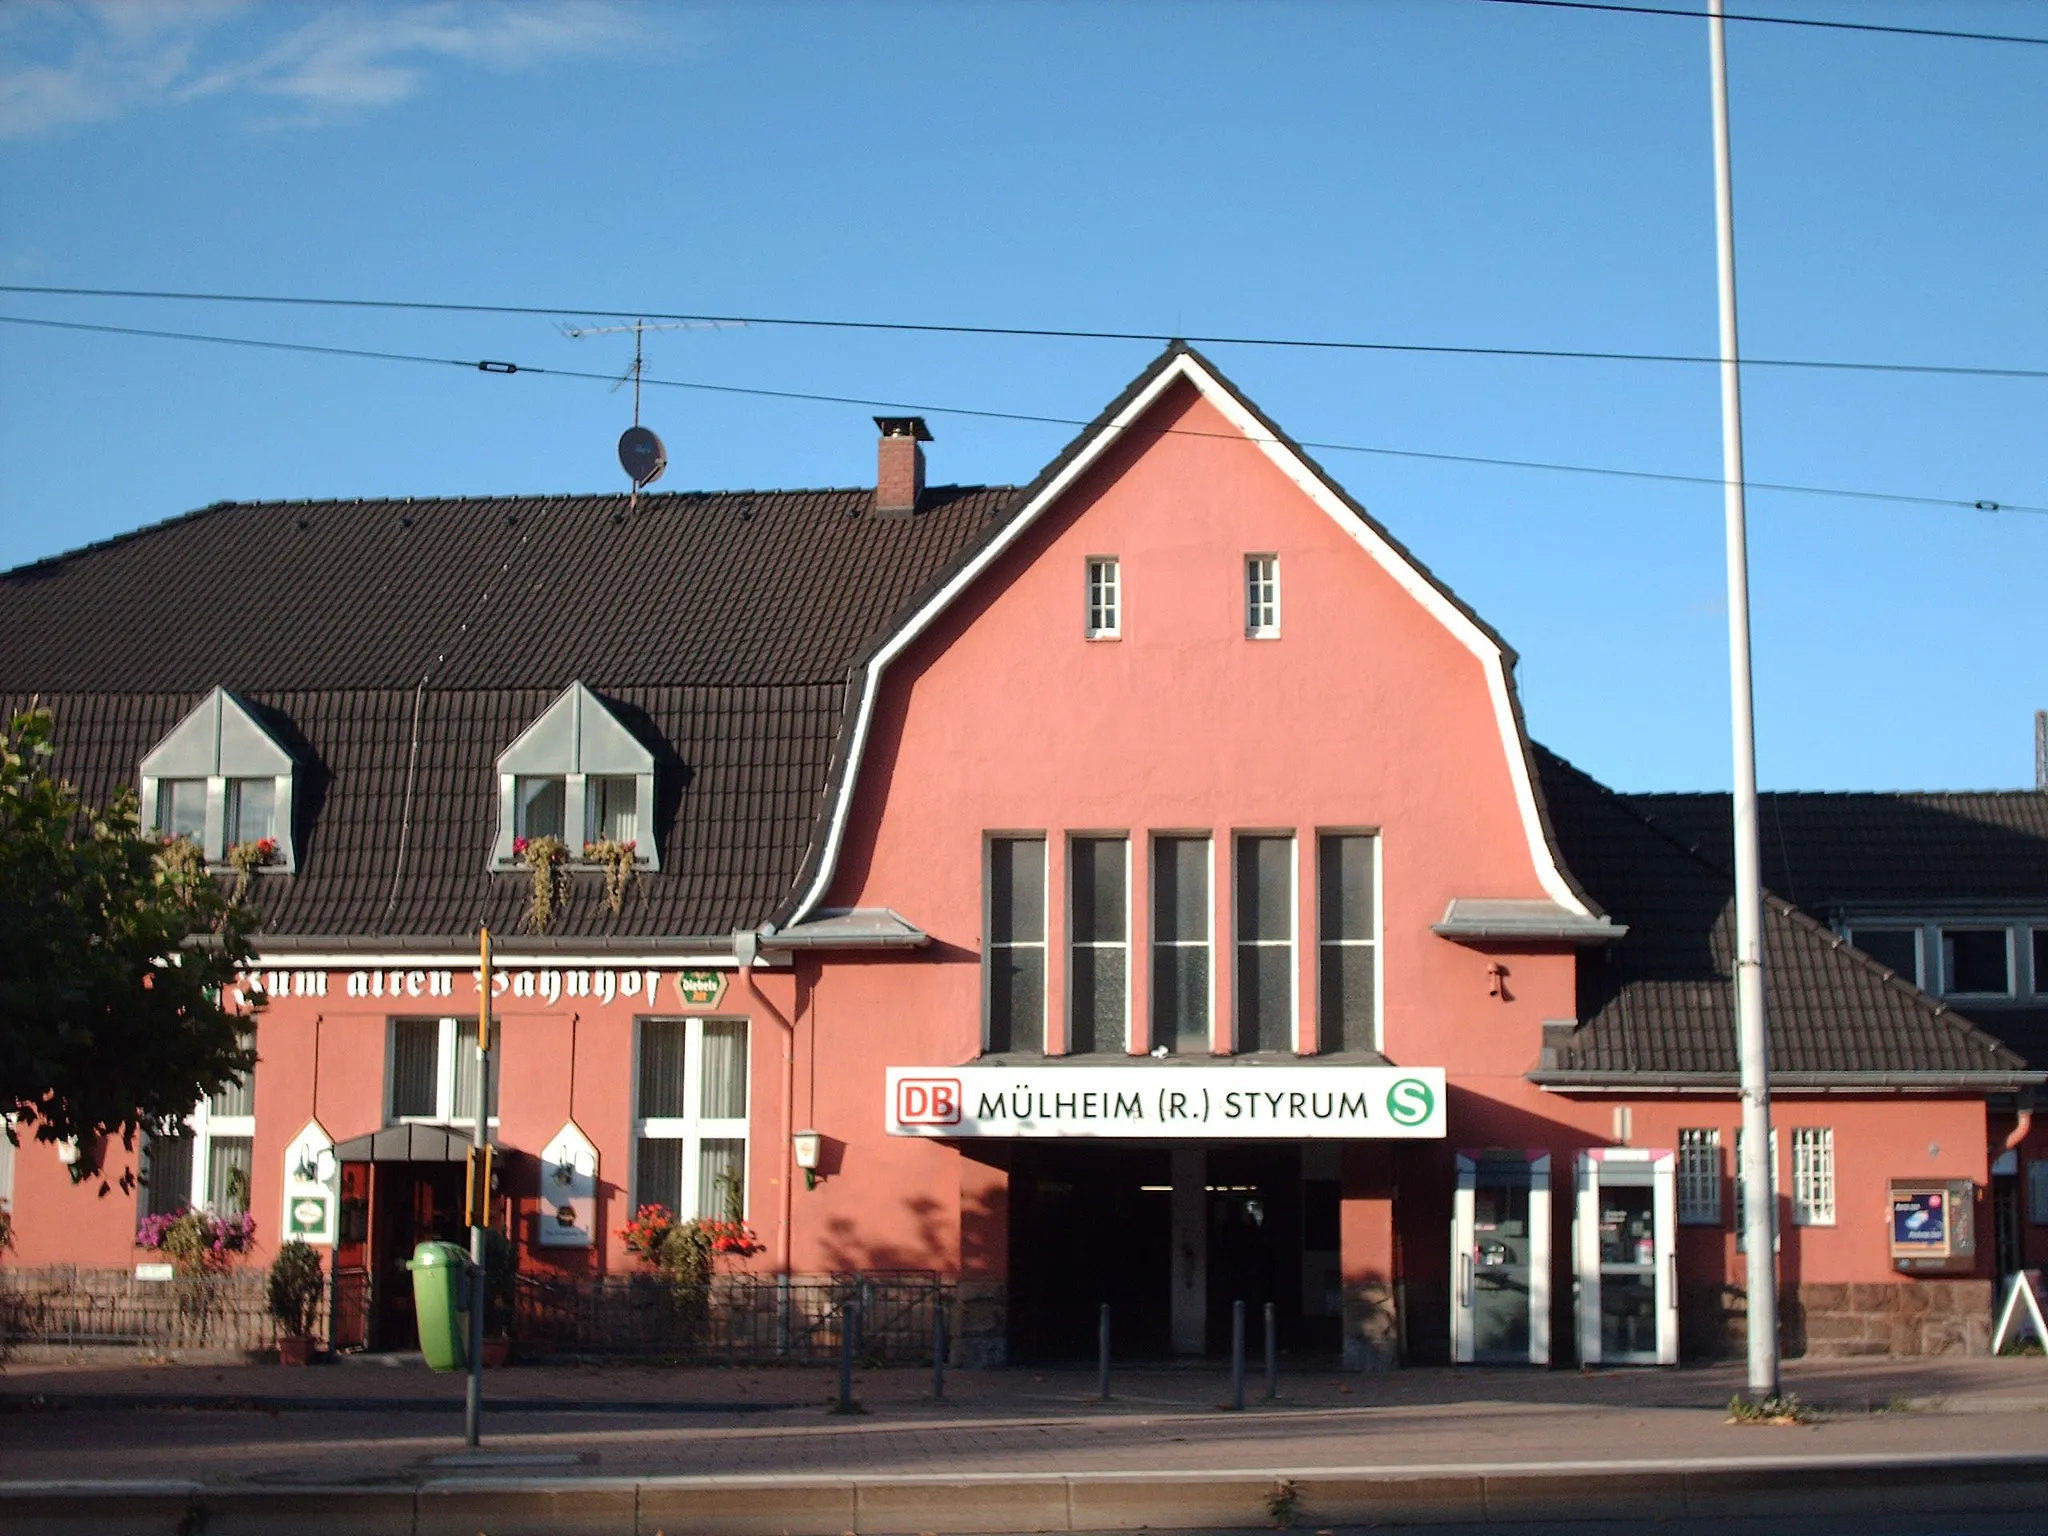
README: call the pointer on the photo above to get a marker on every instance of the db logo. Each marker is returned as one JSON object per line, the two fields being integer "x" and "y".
{"x": 928, "y": 1101}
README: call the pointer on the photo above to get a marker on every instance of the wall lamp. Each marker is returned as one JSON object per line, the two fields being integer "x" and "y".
{"x": 807, "y": 1145}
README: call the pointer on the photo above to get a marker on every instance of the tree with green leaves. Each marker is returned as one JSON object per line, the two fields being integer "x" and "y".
{"x": 115, "y": 945}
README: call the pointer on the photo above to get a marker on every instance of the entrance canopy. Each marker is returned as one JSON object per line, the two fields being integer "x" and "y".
{"x": 406, "y": 1144}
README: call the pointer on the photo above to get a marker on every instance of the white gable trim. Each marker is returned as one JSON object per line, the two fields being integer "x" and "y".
{"x": 1185, "y": 366}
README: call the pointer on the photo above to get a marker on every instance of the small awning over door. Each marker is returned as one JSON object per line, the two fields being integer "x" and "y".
{"x": 406, "y": 1144}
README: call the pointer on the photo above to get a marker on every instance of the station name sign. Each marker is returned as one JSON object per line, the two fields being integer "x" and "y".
{"x": 1152, "y": 1103}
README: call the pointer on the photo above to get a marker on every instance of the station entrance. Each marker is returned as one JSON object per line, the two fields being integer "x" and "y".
{"x": 1170, "y": 1237}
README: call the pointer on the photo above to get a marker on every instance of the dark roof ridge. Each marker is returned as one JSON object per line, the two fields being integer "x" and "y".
{"x": 1934, "y": 1008}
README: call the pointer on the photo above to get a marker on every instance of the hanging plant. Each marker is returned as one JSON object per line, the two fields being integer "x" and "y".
{"x": 181, "y": 860}
{"x": 544, "y": 856}
{"x": 249, "y": 857}
{"x": 620, "y": 868}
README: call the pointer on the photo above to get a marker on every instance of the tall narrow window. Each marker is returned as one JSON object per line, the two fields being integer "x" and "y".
{"x": 690, "y": 1125}
{"x": 1098, "y": 872}
{"x": 252, "y": 810}
{"x": 181, "y": 808}
{"x": 167, "y": 1171}
{"x": 1813, "y": 1175}
{"x": 1742, "y": 1204}
{"x": 614, "y": 809}
{"x": 1347, "y": 947}
{"x": 1262, "y": 596}
{"x": 1015, "y": 966}
{"x": 1180, "y": 943}
{"x": 434, "y": 1070}
{"x": 1699, "y": 1178}
{"x": 1265, "y": 943}
{"x": 1105, "y": 598}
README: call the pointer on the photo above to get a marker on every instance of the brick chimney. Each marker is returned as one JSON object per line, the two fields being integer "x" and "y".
{"x": 899, "y": 464}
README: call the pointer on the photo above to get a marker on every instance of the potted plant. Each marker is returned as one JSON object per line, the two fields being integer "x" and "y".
{"x": 295, "y": 1283}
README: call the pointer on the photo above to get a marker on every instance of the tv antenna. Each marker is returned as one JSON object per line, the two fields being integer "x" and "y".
{"x": 641, "y": 453}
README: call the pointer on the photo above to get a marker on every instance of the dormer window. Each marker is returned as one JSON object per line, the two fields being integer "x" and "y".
{"x": 576, "y": 773}
{"x": 222, "y": 780}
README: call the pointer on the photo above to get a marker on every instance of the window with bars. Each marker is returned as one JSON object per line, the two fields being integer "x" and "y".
{"x": 1699, "y": 1178}
{"x": 1105, "y": 598}
{"x": 1014, "y": 967}
{"x": 1813, "y": 1176}
{"x": 690, "y": 1118}
{"x": 434, "y": 1071}
{"x": 1265, "y": 943}
{"x": 1262, "y": 596}
{"x": 1181, "y": 935}
{"x": 1099, "y": 944}
{"x": 1741, "y": 1205}
{"x": 1347, "y": 948}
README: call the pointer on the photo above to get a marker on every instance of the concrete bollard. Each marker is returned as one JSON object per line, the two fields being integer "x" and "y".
{"x": 1237, "y": 1356}
{"x": 1102, "y": 1353}
{"x": 1272, "y": 1357}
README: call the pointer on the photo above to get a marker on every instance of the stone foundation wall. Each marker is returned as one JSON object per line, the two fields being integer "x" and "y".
{"x": 1917, "y": 1317}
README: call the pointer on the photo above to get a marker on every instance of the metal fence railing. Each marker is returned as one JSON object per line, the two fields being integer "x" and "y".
{"x": 64, "y": 1304}
{"x": 739, "y": 1319}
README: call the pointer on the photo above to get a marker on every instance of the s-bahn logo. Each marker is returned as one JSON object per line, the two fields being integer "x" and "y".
{"x": 1409, "y": 1102}
{"x": 928, "y": 1101}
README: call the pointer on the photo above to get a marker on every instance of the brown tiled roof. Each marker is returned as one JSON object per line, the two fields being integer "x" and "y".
{"x": 721, "y": 628}
{"x": 1921, "y": 853}
{"x": 1660, "y": 1005}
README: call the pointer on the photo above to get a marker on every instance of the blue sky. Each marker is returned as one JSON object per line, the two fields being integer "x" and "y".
{"x": 1437, "y": 171}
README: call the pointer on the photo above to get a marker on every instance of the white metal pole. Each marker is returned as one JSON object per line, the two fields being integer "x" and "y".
{"x": 1753, "y": 1041}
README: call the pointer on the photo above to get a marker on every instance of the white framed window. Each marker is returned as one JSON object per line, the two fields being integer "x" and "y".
{"x": 1897, "y": 949}
{"x": 1347, "y": 941}
{"x": 690, "y": 1118}
{"x": 1976, "y": 961}
{"x": 1699, "y": 1177}
{"x": 1013, "y": 967}
{"x": 432, "y": 1073}
{"x": 221, "y": 779}
{"x": 1742, "y": 1206}
{"x": 1105, "y": 598}
{"x": 1813, "y": 1175}
{"x": 576, "y": 774}
{"x": 1183, "y": 934}
{"x": 1262, "y": 597}
{"x": 1265, "y": 913}
{"x": 613, "y": 802}
{"x": 1099, "y": 943}
{"x": 206, "y": 1159}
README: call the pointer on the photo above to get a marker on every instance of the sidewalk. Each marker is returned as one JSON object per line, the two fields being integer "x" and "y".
{"x": 612, "y": 1448}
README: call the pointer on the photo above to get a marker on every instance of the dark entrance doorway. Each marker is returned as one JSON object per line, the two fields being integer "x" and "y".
{"x": 1265, "y": 1219}
{"x": 1089, "y": 1223}
{"x": 400, "y": 1187}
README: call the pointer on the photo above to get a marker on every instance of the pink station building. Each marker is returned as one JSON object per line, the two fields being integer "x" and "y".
{"x": 1135, "y": 887}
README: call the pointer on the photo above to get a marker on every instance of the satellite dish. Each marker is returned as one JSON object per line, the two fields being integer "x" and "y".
{"x": 642, "y": 456}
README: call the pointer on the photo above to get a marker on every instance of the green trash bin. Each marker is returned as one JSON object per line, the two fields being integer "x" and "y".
{"x": 440, "y": 1295}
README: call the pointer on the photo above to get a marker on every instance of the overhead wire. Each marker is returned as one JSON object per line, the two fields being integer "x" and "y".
{"x": 934, "y": 328}
{"x": 1614, "y": 8}
{"x": 495, "y": 366}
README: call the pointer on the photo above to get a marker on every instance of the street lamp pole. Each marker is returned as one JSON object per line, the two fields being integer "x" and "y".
{"x": 1753, "y": 1039}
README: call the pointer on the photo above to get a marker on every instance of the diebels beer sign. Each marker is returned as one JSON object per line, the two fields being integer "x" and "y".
{"x": 1153, "y": 1103}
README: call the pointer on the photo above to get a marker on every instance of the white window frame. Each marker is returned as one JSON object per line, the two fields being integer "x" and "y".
{"x": 1699, "y": 1176}
{"x": 1325, "y": 943}
{"x": 1813, "y": 1175}
{"x": 203, "y": 1127}
{"x": 1104, "y": 617}
{"x": 1155, "y": 943}
{"x": 575, "y": 739}
{"x": 1262, "y": 596}
{"x": 1042, "y": 943}
{"x": 693, "y": 1128}
{"x": 445, "y": 1048}
{"x": 1292, "y": 943}
{"x": 221, "y": 741}
{"x": 1984, "y": 925}
{"x": 1123, "y": 1044}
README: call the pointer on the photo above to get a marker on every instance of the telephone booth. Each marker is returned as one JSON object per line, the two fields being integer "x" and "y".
{"x": 1625, "y": 1261}
{"x": 1500, "y": 1259}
